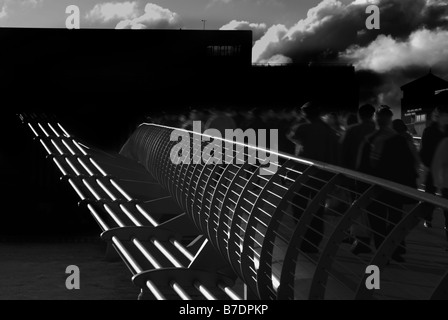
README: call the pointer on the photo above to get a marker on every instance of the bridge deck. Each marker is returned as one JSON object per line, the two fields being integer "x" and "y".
{"x": 280, "y": 233}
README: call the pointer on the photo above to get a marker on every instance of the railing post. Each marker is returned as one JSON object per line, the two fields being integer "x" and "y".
{"x": 178, "y": 181}
{"x": 317, "y": 289}
{"x": 205, "y": 221}
{"x": 248, "y": 294}
{"x": 288, "y": 270}
{"x": 194, "y": 193}
{"x": 264, "y": 278}
{"x": 233, "y": 248}
{"x": 441, "y": 291}
{"x": 111, "y": 253}
{"x": 248, "y": 242}
{"x": 220, "y": 233}
{"x": 387, "y": 248}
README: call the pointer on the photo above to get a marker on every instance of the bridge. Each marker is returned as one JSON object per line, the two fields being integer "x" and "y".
{"x": 206, "y": 230}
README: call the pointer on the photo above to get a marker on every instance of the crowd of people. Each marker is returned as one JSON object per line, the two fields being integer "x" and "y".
{"x": 370, "y": 142}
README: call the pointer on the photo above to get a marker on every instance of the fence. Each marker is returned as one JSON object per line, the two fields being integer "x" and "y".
{"x": 284, "y": 233}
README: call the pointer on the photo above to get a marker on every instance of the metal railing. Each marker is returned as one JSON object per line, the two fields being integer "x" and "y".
{"x": 285, "y": 234}
{"x": 113, "y": 209}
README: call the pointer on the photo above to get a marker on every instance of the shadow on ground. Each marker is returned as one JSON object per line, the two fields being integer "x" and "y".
{"x": 36, "y": 271}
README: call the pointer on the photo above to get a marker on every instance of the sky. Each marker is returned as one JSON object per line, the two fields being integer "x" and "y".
{"x": 51, "y": 13}
{"x": 413, "y": 34}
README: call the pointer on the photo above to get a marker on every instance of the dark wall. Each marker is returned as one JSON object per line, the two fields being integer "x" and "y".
{"x": 420, "y": 93}
{"x": 333, "y": 85}
{"x": 100, "y": 82}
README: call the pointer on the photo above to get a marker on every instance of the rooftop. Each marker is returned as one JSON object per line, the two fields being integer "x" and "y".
{"x": 429, "y": 81}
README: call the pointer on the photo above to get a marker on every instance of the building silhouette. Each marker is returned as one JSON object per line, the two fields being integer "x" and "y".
{"x": 417, "y": 103}
{"x": 101, "y": 83}
{"x": 106, "y": 78}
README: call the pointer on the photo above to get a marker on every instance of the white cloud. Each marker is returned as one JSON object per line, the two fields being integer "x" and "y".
{"x": 276, "y": 3}
{"x": 316, "y": 17}
{"x": 222, "y": 1}
{"x": 269, "y": 42}
{"x": 33, "y": 3}
{"x": 411, "y": 41}
{"x": 436, "y": 2}
{"x": 393, "y": 59}
{"x": 365, "y": 2}
{"x": 7, "y": 6}
{"x": 279, "y": 38}
{"x": 259, "y": 29}
{"x": 422, "y": 48}
{"x": 277, "y": 59}
{"x": 109, "y": 11}
{"x": 332, "y": 26}
{"x": 154, "y": 16}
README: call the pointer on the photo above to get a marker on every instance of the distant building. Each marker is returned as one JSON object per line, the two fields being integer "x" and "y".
{"x": 417, "y": 103}
{"x": 172, "y": 67}
{"x": 109, "y": 77}
{"x": 334, "y": 85}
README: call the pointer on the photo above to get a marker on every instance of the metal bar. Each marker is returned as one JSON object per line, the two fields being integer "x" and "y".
{"x": 249, "y": 226}
{"x": 388, "y": 185}
{"x": 267, "y": 248}
{"x": 147, "y": 255}
{"x": 441, "y": 291}
{"x": 156, "y": 292}
{"x": 133, "y": 263}
{"x": 387, "y": 248}
{"x": 229, "y": 292}
{"x": 317, "y": 289}
{"x": 202, "y": 289}
{"x": 181, "y": 292}
{"x": 166, "y": 253}
{"x": 289, "y": 264}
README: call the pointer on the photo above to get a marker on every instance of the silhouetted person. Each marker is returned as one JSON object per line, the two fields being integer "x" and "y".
{"x": 387, "y": 155}
{"x": 195, "y": 115}
{"x": 284, "y": 124}
{"x": 240, "y": 117}
{"x": 318, "y": 142}
{"x": 354, "y": 136}
{"x": 332, "y": 119}
{"x": 439, "y": 169}
{"x": 253, "y": 120}
{"x": 316, "y": 139}
{"x": 351, "y": 119}
{"x": 220, "y": 121}
{"x": 402, "y": 129}
{"x": 351, "y": 142}
{"x": 431, "y": 138}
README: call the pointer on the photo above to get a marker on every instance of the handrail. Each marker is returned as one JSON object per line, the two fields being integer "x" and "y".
{"x": 283, "y": 233}
{"x": 286, "y": 221}
{"x": 386, "y": 184}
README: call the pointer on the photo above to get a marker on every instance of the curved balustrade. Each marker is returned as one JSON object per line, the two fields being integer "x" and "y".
{"x": 129, "y": 224}
{"x": 283, "y": 233}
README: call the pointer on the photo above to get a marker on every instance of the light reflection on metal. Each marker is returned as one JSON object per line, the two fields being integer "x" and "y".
{"x": 167, "y": 254}
{"x": 181, "y": 292}
{"x": 156, "y": 292}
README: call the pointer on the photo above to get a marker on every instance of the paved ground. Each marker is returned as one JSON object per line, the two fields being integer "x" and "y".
{"x": 37, "y": 271}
